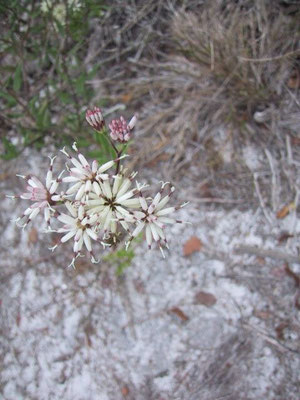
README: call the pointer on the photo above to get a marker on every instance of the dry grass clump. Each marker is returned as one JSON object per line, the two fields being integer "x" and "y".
{"x": 227, "y": 62}
{"x": 247, "y": 53}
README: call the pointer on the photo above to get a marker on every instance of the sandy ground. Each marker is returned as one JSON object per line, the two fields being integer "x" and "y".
{"x": 215, "y": 324}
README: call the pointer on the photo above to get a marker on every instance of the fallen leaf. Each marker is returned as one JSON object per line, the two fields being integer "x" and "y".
{"x": 32, "y": 236}
{"x": 284, "y": 237}
{"x": 126, "y": 97}
{"x": 161, "y": 157}
{"x": 205, "y": 298}
{"x": 295, "y": 141}
{"x": 283, "y": 212}
{"x": 125, "y": 391}
{"x": 89, "y": 331}
{"x": 280, "y": 328}
{"x": 205, "y": 191}
{"x": 292, "y": 274}
{"x": 297, "y": 299}
{"x": 192, "y": 245}
{"x": 18, "y": 319}
{"x": 262, "y": 314}
{"x": 139, "y": 285}
{"x": 106, "y": 281}
{"x": 294, "y": 80}
{"x": 278, "y": 272}
{"x": 3, "y": 176}
{"x": 260, "y": 260}
{"x": 177, "y": 311}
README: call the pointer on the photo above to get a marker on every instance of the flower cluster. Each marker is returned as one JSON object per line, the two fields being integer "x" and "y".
{"x": 89, "y": 203}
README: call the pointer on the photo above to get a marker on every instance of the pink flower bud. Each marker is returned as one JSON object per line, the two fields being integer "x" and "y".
{"x": 95, "y": 118}
{"x": 132, "y": 122}
{"x": 120, "y": 131}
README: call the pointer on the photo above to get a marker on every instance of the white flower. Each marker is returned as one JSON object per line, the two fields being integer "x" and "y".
{"x": 40, "y": 194}
{"x": 83, "y": 176}
{"x": 154, "y": 217}
{"x": 79, "y": 226}
{"x": 111, "y": 200}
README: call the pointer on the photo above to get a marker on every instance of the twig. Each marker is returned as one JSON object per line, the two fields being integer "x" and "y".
{"x": 268, "y": 338}
{"x": 274, "y": 181}
{"x": 289, "y": 149}
{"x": 276, "y": 254}
{"x": 216, "y": 200}
{"x": 261, "y": 200}
{"x": 291, "y": 53}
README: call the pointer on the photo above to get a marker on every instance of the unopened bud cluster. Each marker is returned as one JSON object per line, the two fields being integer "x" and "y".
{"x": 120, "y": 130}
{"x": 89, "y": 203}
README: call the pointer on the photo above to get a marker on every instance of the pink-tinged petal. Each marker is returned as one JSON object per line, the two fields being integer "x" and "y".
{"x": 76, "y": 163}
{"x": 131, "y": 203}
{"x": 80, "y": 192}
{"x": 148, "y": 236}
{"x": 93, "y": 218}
{"x": 139, "y": 214}
{"x": 82, "y": 173}
{"x": 78, "y": 235}
{"x": 68, "y": 236}
{"x": 122, "y": 211}
{"x": 34, "y": 213}
{"x": 69, "y": 179}
{"x": 87, "y": 241}
{"x": 97, "y": 188}
{"x": 47, "y": 214}
{"x": 81, "y": 212}
{"x": 107, "y": 219}
{"x": 48, "y": 179}
{"x": 154, "y": 203}
{"x": 143, "y": 203}
{"x": 96, "y": 209}
{"x": 28, "y": 211}
{"x": 72, "y": 210}
{"x": 138, "y": 229}
{"x": 124, "y": 187}
{"x": 53, "y": 187}
{"x": 163, "y": 202}
{"x": 26, "y": 196}
{"x": 78, "y": 245}
{"x": 92, "y": 234}
{"x": 159, "y": 230}
{"x": 105, "y": 167}
{"x": 105, "y": 186}
{"x": 125, "y": 196}
{"x": 74, "y": 188}
{"x": 116, "y": 184}
{"x": 124, "y": 225}
{"x": 95, "y": 166}
{"x": 37, "y": 182}
{"x": 83, "y": 161}
{"x": 154, "y": 232}
{"x": 165, "y": 211}
{"x": 132, "y": 122}
{"x": 66, "y": 219}
{"x": 88, "y": 186}
{"x": 166, "y": 220}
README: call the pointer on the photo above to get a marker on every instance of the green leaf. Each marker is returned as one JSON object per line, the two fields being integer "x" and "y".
{"x": 80, "y": 84}
{"x": 121, "y": 259}
{"x": 11, "y": 101}
{"x": 99, "y": 156}
{"x": 65, "y": 97}
{"x": 10, "y": 150}
{"x": 43, "y": 116}
{"x": 17, "y": 83}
